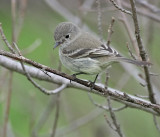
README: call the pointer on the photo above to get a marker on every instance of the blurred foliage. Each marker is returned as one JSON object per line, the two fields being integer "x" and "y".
{"x": 28, "y": 103}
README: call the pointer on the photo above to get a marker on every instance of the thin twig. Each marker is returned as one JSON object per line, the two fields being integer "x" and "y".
{"x": 57, "y": 109}
{"x": 130, "y": 33}
{"x": 105, "y": 107}
{"x": 148, "y": 14}
{"x": 109, "y": 123}
{"x": 56, "y": 116}
{"x": 130, "y": 52}
{"x": 128, "y": 27}
{"x": 99, "y": 19}
{"x": 99, "y": 24}
{"x": 5, "y": 40}
{"x": 119, "y": 8}
{"x": 13, "y": 13}
{"x": 141, "y": 96}
{"x": 148, "y": 5}
{"x": 9, "y": 95}
{"x": 156, "y": 123}
{"x": 33, "y": 82}
{"x": 117, "y": 126}
{"x": 110, "y": 31}
{"x": 8, "y": 103}
{"x": 107, "y": 77}
{"x": 20, "y": 16}
{"x": 142, "y": 52}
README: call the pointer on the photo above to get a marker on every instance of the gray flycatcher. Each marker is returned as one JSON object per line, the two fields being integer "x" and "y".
{"x": 83, "y": 53}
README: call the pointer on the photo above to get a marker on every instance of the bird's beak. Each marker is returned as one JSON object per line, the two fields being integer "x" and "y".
{"x": 56, "y": 45}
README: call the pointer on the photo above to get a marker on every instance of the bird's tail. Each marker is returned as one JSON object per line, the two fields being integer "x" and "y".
{"x": 136, "y": 62}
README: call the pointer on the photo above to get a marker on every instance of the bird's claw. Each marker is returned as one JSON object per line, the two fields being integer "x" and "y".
{"x": 74, "y": 77}
{"x": 91, "y": 85}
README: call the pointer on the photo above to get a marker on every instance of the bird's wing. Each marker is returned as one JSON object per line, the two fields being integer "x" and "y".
{"x": 91, "y": 48}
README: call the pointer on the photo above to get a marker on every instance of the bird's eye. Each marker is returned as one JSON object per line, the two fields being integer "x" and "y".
{"x": 67, "y": 36}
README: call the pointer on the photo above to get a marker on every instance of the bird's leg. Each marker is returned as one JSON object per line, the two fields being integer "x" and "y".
{"x": 93, "y": 83}
{"x": 74, "y": 75}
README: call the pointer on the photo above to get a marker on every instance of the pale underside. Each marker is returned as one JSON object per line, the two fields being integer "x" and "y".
{"x": 93, "y": 58}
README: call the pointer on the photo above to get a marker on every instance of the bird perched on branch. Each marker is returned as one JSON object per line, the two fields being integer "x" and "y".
{"x": 83, "y": 53}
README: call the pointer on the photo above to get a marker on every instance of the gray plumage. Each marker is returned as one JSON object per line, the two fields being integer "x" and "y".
{"x": 82, "y": 52}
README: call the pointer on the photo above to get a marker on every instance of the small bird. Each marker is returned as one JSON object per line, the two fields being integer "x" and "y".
{"x": 83, "y": 53}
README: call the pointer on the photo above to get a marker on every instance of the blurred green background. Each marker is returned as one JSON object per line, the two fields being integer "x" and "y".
{"x": 28, "y": 104}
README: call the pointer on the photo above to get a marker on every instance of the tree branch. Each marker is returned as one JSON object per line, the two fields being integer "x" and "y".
{"x": 142, "y": 52}
{"x": 114, "y": 119}
{"x": 119, "y": 8}
{"x": 62, "y": 78}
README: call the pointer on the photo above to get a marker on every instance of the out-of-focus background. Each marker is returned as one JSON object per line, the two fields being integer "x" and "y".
{"x": 31, "y": 112}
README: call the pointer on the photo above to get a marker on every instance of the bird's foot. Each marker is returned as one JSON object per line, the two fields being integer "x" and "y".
{"x": 91, "y": 85}
{"x": 74, "y": 77}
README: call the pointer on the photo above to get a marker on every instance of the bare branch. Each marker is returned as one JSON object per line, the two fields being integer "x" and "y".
{"x": 149, "y": 14}
{"x": 99, "y": 19}
{"x": 13, "y": 15}
{"x": 140, "y": 96}
{"x": 114, "y": 119}
{"x": 148, "y": 5}
{"x": 105, "y": 107}
{"x": 109, "y": 123}
{"x": 116, "y": 125}
{"x": 129, "y": 31}
{"x": 130, "y": 52}
{"x": 142, "y": 52}
{"x": 33, "y": 82}
{"x": 57, "y": 108}
{"x": 107, "y": 77}
{"x": 5, "y": 40}
{"x": 8, "y": 103}
{"x": 56, "y": 116}
{"x": 156, "y": 123}
{"x": 21, "y": 15}
{"x": 119, "y": 8}
{"x": 117, "y": 95}
{"x": 110, "y": 31}
{"x": 9, "y": 95}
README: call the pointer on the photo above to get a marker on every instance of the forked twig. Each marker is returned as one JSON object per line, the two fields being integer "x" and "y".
{"x": 119, "y": 8}
{"x": 105, "y": 107}
{"x": 48, "y": 92}
{"x": 114, "y": 119}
